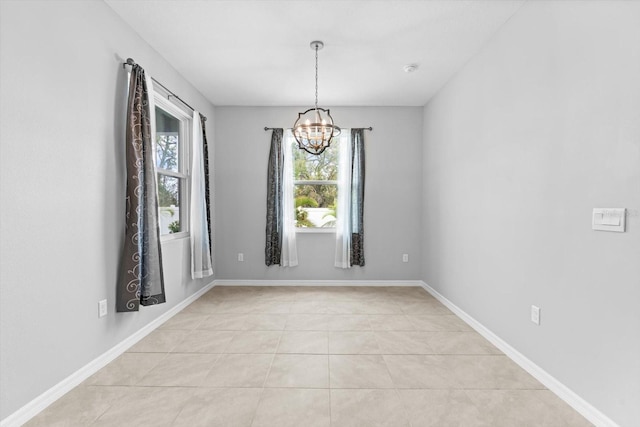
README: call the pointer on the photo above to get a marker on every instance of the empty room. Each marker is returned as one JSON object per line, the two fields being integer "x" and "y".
{"x": 320, "y": 213}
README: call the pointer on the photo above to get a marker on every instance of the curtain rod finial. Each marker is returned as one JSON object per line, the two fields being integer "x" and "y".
{"x": 130, "y": 61}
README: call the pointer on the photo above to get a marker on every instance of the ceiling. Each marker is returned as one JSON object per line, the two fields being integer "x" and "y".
{"x": 256, "y": 52}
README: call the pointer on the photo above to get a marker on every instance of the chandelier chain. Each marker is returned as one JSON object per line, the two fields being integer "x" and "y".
{"x": 316, "y": 77}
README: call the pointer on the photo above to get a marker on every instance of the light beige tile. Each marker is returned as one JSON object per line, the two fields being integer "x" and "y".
{"x": 203, "y": 341}
{"x": 254, "y": 342}
{"x": 299, "y": 370}
{"x": 489, "y": 372}
{"x": 359, "y": 342}
{"x": 403, "y": 342}
{"x": 224, "y": 322}
{"x": 264, "y": 322}
{"x": 293, "y": 408}
{"x": 179, "y": 369}
{"x": 229, "y": 293}
{"x": 560, "y": 412}
{"x": 80, "y": 407}
{"x": 309, "y": 307}
{"x": 273, "y": 307}
{"x": 304, "y": 342}
{"x": 186, "y": 321}
{"x": 376, "y": 306}
{"x": 312, "y": 293}
{"x": 460, "y": 343}
{"x": 239, "y": 370}
{"x": 437, "y": 322}
{"x": 435, "y": 408}
{"x": 201, "y": 306}
{"x": 390, "y": 322}
{"x": 420, "y": 296}
{"x": 146, "y": 406}
{"x": 307, "y": 322}
{"x": 345, "y": 307}
{"x": 158, "y": 341}
{"x": 280, "y": 293}
{"x": 229, "y": 407}
{"x": 127, "y": 369}
{"x": 412, "y": 292}
{"x": 360, "y": 371}
{"x": 233, "y": 306}
{"x": 348, "y": 322}
{"x": 367, "y": 408}
{"x": 503, "y": 408}
{"x": 420, "y": 371}
{"x": 425, "y": 306}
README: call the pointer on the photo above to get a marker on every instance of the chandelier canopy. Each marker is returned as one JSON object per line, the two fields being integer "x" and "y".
{"x": 314, "y": 128}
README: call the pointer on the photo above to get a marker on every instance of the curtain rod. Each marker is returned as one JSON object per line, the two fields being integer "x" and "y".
{"x": 131, "y": 62}
{"x": 268, "y": 128}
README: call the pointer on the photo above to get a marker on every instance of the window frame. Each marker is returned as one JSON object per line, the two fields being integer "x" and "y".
{"x": 320, "y": 230}
{"x": 163, "y": 101}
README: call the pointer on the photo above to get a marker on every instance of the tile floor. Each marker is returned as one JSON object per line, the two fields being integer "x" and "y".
{"x": 308, "y": 356}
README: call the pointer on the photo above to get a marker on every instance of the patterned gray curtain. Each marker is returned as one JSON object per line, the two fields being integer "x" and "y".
{"x": 273, "y": 247}
{"x": 207, "y": 197}
{"x": 357, "y": 197}
{"x": 141, "y": 280}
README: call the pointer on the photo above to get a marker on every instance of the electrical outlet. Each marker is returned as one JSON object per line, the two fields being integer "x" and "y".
{"x": 102, "y": 308}
{"x": 405, "y": 257}
{"x": 535, "y": 314}
{"x": 240, "y": 257}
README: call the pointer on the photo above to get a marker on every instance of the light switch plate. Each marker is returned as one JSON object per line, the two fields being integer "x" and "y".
{"x": 609, "y": 219}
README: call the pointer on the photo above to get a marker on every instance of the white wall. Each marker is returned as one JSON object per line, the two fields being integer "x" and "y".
{"x": 62, "y": 99}
{"x": 539, "y": 128}
{"x": 392, "y": 196}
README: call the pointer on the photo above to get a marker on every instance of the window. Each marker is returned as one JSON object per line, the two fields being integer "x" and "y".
{"x": 173, "y": 133}
{"x": 315, "y": 187}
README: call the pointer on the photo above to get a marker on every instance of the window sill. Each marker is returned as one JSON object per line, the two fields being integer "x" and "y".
{"x": 318, "y": 230}
{"x": 173, "y": 236}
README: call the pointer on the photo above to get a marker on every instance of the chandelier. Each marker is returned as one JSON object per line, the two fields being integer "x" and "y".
{"x": 314, "y": 128}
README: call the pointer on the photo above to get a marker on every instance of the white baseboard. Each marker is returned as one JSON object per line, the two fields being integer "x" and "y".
{"x": 565, "y": 393}
{"x": 318, "y": 282}
{"x": 41, "y": 402}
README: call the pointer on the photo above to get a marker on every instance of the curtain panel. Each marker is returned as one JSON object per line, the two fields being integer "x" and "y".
{"x": 207, "y": 190}
{"x": 198, "y": 218}
{"x": 289, "y": 252}
{"x": 350, "y": 221}
{"x": 357, "y": 197}
{"x": 141, "y": 280}
{"x": 275, "y": 170}
{"x": 343, "y": 220}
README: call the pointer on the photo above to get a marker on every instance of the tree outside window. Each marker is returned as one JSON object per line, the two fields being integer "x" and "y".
{"x": 316, "y": 186}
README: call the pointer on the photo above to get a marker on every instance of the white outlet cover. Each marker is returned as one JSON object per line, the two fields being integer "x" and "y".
{"x": 102, "y": 308}
{"x": 535, "y": 314}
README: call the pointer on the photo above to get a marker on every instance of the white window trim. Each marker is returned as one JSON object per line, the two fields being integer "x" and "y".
{"x": 162, "y": 100}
